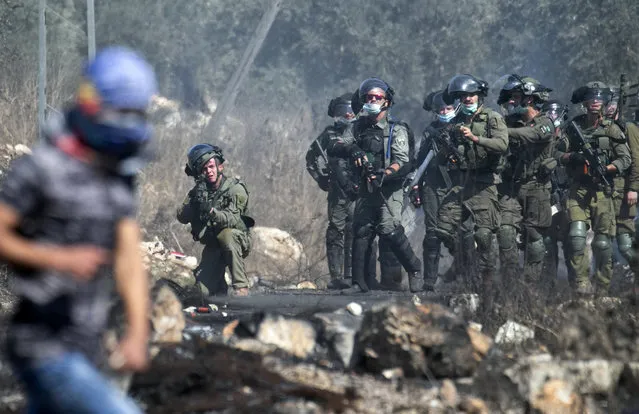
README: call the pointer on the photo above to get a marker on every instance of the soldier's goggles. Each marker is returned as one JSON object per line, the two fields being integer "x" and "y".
{"x": 375, "y": 96}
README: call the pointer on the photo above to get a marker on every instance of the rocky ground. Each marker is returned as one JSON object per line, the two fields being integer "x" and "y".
{"x": 292, "y": 347}
{"x": 309, "y": 351}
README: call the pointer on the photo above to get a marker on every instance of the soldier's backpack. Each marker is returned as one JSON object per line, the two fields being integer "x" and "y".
{"x": 317, "y": 159}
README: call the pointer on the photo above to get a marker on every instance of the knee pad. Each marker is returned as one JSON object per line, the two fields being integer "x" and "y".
{"x": 601, "y": 248}
{"x": 507, "y": 237}
{"x": 577, "y": 237}
{"x": 625, "y": 243}
{"x": 535, "y": 250}
{"x": 483, "y": 238}
{"x": 549, "y": 242}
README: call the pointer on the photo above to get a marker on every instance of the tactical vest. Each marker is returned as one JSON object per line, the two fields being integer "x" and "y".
{"x": 532, "y": 161}
{"x": 220, "y": 199}
{"x": 376, "y": 143}
{"x": 476, "y": 157}
{"x": 602, "y": 139}
{"x": 373, "y": 142}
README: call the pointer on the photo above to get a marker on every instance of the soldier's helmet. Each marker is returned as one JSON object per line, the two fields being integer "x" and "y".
{"x": 612, "y": 108}
{"x": 526, "y": 85}
{"x": 463, "y": 84}
{"x": 374, "y": 83}
{"x": 595, "y": 90}
{"x": 112, "y": 103}
{"x": 198, "y": 155}
{"x": 340, "y": 106}
{"x": 434, "y": 101}
{"x": 556, "y": 111}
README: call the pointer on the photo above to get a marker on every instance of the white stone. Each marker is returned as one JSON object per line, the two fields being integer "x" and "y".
{"x": 354, "y": 308}
{"x": 513, "y": 333}
{"x": 464, "y": 303}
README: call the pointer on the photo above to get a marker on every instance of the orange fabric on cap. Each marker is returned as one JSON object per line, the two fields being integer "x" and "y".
{"x": 88, "y": 99}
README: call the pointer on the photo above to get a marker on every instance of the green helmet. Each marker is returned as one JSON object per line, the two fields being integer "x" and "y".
{"x": 198, "y": 155}
{"x": 527, "y": 86}
{"x": 595, "y": 90}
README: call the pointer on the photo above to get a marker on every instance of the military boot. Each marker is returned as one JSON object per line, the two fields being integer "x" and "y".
{"x": 391, "y": 268}
{"x": 410, "y": 262}
{"x": 360, "y": 254}
{"x": 335, "y": 257}
{"x": 431, "y": 256}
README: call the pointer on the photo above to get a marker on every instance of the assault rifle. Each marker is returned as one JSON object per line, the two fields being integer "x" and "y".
{"x": 445, "y": 144}
{"x": 595, "y": 166}
{"x": 622, "y": 97}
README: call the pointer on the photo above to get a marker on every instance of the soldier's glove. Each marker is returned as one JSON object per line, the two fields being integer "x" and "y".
{"x": 414, "y": 197}
{"x": 357, "y": 154}
{"x": 577, "y": 158}
{"x": 378, "y": 181}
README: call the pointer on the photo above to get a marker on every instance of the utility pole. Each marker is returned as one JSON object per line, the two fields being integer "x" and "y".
{"x": 214, "y": 126}
{"x": 42, "y": 68}
{"x": 91, "y": 28}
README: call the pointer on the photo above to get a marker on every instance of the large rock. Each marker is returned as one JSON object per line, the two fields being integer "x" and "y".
{"x": 294, "y": 336}
{"x": 163, "y": 264}
{"x": 597, "y": 376}
{"x": 338, "y": 333}
{"x": 426, "y": 339}
{"x": 276, "y": 256}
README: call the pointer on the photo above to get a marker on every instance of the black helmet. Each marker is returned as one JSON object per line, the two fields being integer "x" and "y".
{"x": 461, "y": 84}
{"x": 526, "y": 85}
{"x": 434, "y": 101}
{"x": 556, "y": 111}
{"x": 340, "y": 106}
{"x": 592, "y": 90}
{"x": 198, "y": 155}
{"x": 372, "y": 83}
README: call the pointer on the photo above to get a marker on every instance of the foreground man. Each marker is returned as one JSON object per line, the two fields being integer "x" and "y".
{"x": 67, "y": 220}
{"x": 380, "y": 147}
{"x": 590, "y": 199}
{"x": 216, "y": 208}
{"x": 474, "y": 160}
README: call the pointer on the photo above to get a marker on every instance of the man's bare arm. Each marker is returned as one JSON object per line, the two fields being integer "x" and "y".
{"x": 133, "y": 286}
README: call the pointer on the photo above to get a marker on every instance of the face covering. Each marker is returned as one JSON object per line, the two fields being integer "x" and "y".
{"x": 372, "y": 108}
{"x": 344, "y": 121}
{"x": 512, "y": 109}
{"x": 469, "y": 109}
{"x": 446, "y": 118}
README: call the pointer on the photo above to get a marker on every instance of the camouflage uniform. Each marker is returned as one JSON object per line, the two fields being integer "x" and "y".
{"x": 625, "y": 214}
{"x": 341, "y": 205}
{"x": 223, "y": 232}
{"x": 474, "y": 189}
{"x": 590, "y": 202}
{"x": 558, "y": 230}
{"x": 527, "y": 182}
{"x": 379, "y": 211}
{"x": 432, "y": 190}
